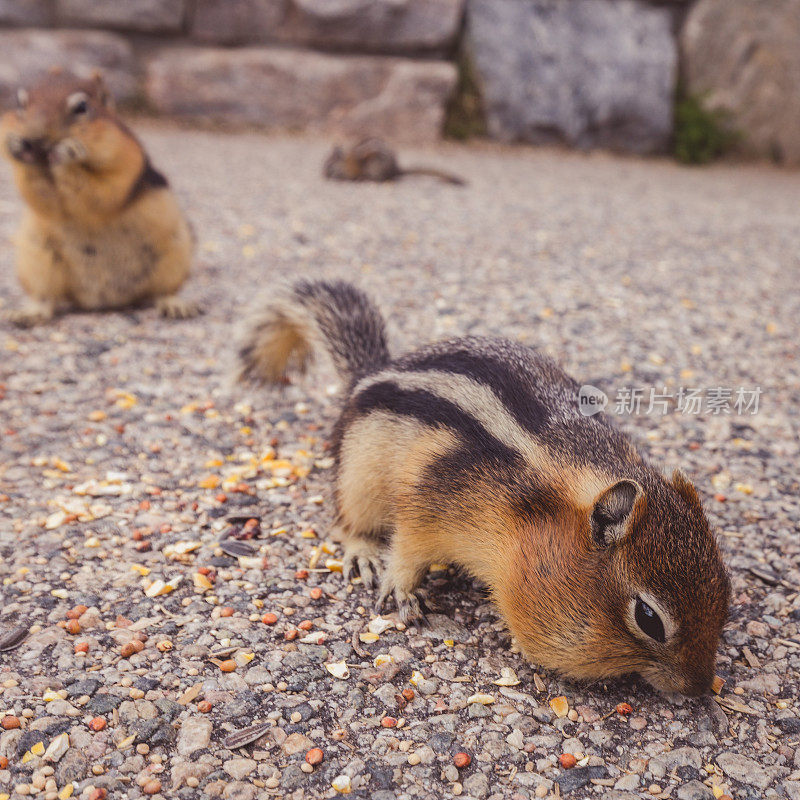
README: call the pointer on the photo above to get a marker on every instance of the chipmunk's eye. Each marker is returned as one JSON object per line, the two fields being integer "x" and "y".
{"x": 648, "y": 621}
{"x": 78, "y": 104}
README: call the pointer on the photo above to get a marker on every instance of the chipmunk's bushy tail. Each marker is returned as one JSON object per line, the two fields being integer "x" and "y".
{"x": 310, "y": 316}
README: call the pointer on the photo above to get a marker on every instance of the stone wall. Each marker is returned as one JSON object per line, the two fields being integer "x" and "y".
{"x": 355, "y": 67}
{"x": 588, "y": 73}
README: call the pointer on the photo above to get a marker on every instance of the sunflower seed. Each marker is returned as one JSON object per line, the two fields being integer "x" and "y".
{"x": 246, "y": 735}
{"x": 13, "y": 638}
{"x": 236, "y": 548}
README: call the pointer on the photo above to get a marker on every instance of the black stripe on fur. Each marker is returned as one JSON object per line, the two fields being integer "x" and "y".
{"x": 434, "y": 411}
{"x": 149, "y": 178}
{"x": 499, "y": 376}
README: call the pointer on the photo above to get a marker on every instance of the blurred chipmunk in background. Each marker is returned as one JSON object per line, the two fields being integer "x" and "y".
{"x": 373, "y": 160}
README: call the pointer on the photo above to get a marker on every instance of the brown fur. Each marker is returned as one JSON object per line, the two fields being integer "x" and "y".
{"x": 473, "y": 452}
{"x": 101, "y": 228}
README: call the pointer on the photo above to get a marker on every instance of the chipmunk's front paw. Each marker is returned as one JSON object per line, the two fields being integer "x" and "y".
{"x": 67, "y": 151}
{"x": 364, "y": 558}
{"x": 31, "y": 315}
{"x": 173, "y": 307}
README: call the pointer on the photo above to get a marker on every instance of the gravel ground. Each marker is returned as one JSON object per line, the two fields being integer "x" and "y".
{"x": 127, "y": 456}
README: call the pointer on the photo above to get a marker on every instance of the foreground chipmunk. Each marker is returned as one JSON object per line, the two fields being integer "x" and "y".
{"x": 473, "y": 452}
{"x": 373, "y": 160}
{"x": 101, "y": 229}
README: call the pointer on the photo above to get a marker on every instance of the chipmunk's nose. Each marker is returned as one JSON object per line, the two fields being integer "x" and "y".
{"x": 31, "y": 149}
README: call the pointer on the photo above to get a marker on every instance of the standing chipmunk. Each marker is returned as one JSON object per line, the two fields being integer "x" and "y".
{"x": 372, "y": 160}
{"x": 102, "y": 228}
{"x": 473, "y": 452}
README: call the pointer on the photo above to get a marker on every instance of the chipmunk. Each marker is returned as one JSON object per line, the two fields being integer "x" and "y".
{"x": 101, "y": 228}
{"x": 473, "y": 452}
{"x": 372, "y": 160}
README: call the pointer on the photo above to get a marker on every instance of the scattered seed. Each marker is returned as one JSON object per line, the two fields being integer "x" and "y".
{"x": 269, "y": 618}
{"x": 10, "y": 722}
{"x": 462, "y": 760}
{"x": 98, "y": 723}
{"x": 389, "y": 722}
{"x": 342, "y": 784}
{"x": 129, "y": 648}
{"x": 205, "y": 706}
{"x": 567, "y": 760}
{"x": 560, "y": 706}
{"x": 624, "y": 709}
{"x": 314, "y": 756}
{"x": 13, "y": 638}
{"x": 246, "y": 735}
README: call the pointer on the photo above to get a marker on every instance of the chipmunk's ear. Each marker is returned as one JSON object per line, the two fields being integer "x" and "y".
{"x": 101, "y": 89}
{"x": 685, "y": 488}
{"x": 614, "y": 512}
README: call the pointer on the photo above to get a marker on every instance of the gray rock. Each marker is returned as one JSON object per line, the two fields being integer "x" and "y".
{"x": 591, "y": 73}
{"x": 443, "y": 627}
{"x": 104, "y": 703}
{"x": 195, "y": 734}
{"x": 292, "y": 777}
{"x": 386, "y": 694}
{"x": 84, "y": 687}
{"x": 154, "y": 731}
{"x": 169, "y": 708}
{"x": 149, "y": 16}
{"x": 792, "y": 789}
{"x": 578, "y": 777}
{"x": 694, "y": 790}
{"x": 628, "y": 782}
{"x": 748, "y": 771}
{"x": 28, "y": 53}
{"x": 239, "y": 768}
{"x": 72, "y": 767}
{"x": 743, "y": 57}
{"x": 364, "y": 26}
{"x": 285, "y": 89}
{"x": 26, "y": 12}
{"x": 476, "y": 785}
{"x": 681, "y": 757}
